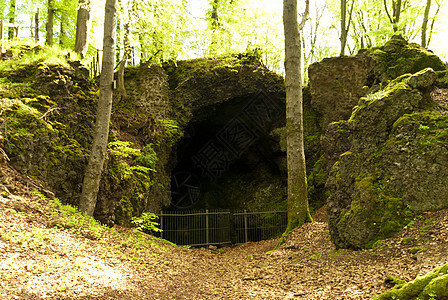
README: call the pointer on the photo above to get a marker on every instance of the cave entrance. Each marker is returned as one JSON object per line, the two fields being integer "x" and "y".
{"x": 228, "y": 157}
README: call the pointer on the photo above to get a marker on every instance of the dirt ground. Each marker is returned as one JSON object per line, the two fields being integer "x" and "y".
{"x": 43, "y": 256}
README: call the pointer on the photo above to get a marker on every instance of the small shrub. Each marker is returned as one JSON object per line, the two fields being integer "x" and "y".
{"x": 146, "y": 222}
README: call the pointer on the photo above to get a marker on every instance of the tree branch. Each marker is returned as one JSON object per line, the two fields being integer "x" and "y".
{"x": 432, "y": 23}
{"x": 350, "y": 16}
{"x": 305, "y": 15}
{"x": 387, "y": 12}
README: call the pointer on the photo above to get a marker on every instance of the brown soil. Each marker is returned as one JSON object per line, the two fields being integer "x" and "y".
{"x": 40, "y": 259}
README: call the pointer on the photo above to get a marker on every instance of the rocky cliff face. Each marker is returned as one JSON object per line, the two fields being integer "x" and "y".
{"x": 387, "y": 161}
{"x": 209, "y": 119}
{"x": 209, "y": 133}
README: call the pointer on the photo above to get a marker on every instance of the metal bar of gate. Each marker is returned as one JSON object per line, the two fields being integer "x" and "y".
{"x": 201, "y": 228}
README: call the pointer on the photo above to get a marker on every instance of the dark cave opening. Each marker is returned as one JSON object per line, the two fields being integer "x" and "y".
{"x": 225, "y": 154}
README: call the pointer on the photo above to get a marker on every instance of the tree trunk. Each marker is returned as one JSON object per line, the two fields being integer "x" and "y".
{"x": 118, "y": 44}
{"x": 36, "y": 24}
{"x": 425, "y": 23}
{"x": 214, "y": 22}
{"x": 49, "y": 26}
{"x": 97, "y": 154}
{"x": 12, "y": 16}
{"x": 214, "y": 15}
{"x": 83, "y": 22}
{"x": 298, "y": 210}
{"x": 343, "y": 21}
{"x": 126, "y": 56}
{"x": 397, "y": 13}
{"x": 62, "y": 32}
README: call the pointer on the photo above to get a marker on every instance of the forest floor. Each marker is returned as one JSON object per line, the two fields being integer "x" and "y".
{"x": 47, "y": 251}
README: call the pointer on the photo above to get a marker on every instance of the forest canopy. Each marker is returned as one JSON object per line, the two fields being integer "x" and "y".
{"x": 180, "y": 29}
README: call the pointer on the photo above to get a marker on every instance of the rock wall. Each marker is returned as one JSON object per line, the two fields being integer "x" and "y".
{"x": 331, "y": 95}
{"x": 49, "y": 112}
{"x": 387, "y": 161}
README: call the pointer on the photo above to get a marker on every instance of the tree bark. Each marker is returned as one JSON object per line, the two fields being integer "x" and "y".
{"x": 36, "y": 24}
{"x": 397, "y": 13}
{"x": 12, "y": 17}
{"x": 49, "y": 25}
{"x": 425, "y": 23}
{"x": 62, "y": 33}
{"x": 214, "y": 15}
{"x": 83, "y": 22}
{"x": 96, "y": 159}
{"x": 345, "y": 26}
{"x": 298, "y": 209}
{"x": 343, "y": 21}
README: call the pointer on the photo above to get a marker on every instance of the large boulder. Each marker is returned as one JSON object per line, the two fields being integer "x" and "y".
{"x": 389, "y": 161}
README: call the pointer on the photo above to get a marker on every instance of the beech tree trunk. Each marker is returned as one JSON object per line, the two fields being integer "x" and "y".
{"x": 298, "y": 209}
{"x": 345, "y": 26}
{"x": 62, "y": 33}
{"x": 12, "y": 16}
{"x": 49, "y": 26}
{"x": 83, "y": 22}
{"x": 425, "y": 23}
{"x": 97, "y": 154}
{"x": 396, "y": 13}
{"x": 36, "y": 26}
{"x": 343, "y": 21}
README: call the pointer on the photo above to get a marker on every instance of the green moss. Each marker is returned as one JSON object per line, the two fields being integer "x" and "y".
{"x": 417, "y": 250}
{"x": 376, "y": 207}
{"x": 433, "y": 284}
{"x": 407, "y": 240}
{"x": 437, "y": 288}
{"x": 129, "y": 171}
{"x": 398, "y": 57}
{"x": 394, "y": 281}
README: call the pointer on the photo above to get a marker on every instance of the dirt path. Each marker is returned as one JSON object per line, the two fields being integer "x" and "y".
{"x": 308, "y": 266}
{"x": 47, "y": 252}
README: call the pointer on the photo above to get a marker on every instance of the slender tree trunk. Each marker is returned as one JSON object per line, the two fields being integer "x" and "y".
{"x": 214, "y": 18}
{"x": 298, "y": 210}
{"x": 425, "y": 23}
{"x": 345, "y": 26}
{"x": 126, "y": 56}
{"x": 36, "y": 24}
{"x": 83, "y": 22}
{"x": 397, "y": 13}
{"x": 49, "y": 26}
{"x": 62, "y": 33}
{"x": 343, "y": 21}
{"x": 97, "y": 154}
{"x": 12, "y": 17}
{"x": 214, "y": 15}
{"x": 117, "y": 52}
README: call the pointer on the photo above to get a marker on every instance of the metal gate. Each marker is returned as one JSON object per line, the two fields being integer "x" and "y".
{"x": 216, "y": 227}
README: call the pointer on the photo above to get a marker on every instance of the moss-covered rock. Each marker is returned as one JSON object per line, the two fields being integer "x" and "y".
{"x": 433, "y": 285}
{"x": 398, "y": 57}
{"x": 49, "y": 111}
{"x": 388, "y": 161}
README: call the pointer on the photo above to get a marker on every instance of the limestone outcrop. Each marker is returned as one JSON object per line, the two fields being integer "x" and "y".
{"x": 388, "y": 161}
{"x": 169, "y": 116}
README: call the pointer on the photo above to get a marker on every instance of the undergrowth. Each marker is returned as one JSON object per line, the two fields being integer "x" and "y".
{"x": 32, "y": 53}
{"x": 67, "y": 217}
